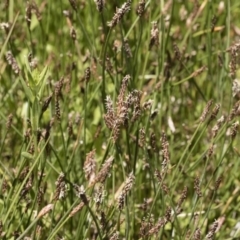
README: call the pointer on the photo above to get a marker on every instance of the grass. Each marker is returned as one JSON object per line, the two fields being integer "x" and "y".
{"x": 119, "y": 124}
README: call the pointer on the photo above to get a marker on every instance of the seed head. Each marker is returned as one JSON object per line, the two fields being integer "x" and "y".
{"x": 104, "y": 172}
{"x": 206, "y": 111}
{"x": 12, "y": 62}
{"x": 120, "y": 12}
{"x": 126, "y": 189}
{"x": 141, "y": 8}
{"x": 100, "y": 4}
{"x": 90, "y": 166}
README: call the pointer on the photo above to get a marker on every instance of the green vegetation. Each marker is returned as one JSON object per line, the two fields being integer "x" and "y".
{"x": 119, "y": 120}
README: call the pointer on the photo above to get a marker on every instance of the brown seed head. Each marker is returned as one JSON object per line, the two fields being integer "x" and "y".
{"x": 104, "y": 172}
{"x": 206, "y": 111}
{"x": 90, "y": 166}
{"x": 100, "y": 4}
{"x": 212, "y": 231}
{"x": 12, "y": 62}
{"x": 120, "y": 12}
{"x": 141, "y": 8}
{"x": 197, "y": 187}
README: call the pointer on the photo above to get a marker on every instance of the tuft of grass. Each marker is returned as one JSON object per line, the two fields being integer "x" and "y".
{"x": 119, "y": 120}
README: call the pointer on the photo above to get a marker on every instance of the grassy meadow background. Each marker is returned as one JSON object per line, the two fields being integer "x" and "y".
{"x": 119, "y": 120}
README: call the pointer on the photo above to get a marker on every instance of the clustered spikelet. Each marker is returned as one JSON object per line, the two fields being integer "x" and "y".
{"x": 100, "y": 4}
{"x": 154, "y": 39}
{"x": 90, "y": 166}
{"x": 115, "y": 236}
{"x": 197, "y": 187}
{"x": 5, "y": 26}
{"x": 168, "y": 214}
{"x": 161, "y": 222}
{"x": 126, "y": 189}
{"x": 210, "y": 151}
{"x": 33, "y": 62}
{"x": 32, "y": 8}
{"x": 61, "y": 187}
{"x": 198, "y": 71}
{"x": 235, "y": 111}
{"x": 141, "y": 8}
{"x": 77, "y": 209}
{"x": 58, "y": 87}
{"x": 193, "y": 13}
{"x": 104, "y": 172}
{"x": 114, "y": 120}
{"x": 212, "y": 231}
{"x": 234, "y": 51}
{"x": 206, "y": 111}
{"x": 181, "y": 200}
{"x": 109, "y": 117}
{"x": 197, "y": 234}
{"x": 80, "y": 192}
{"x": 146, "y": 225}
{"x": 120, "y": 12}
{"x": 234, "y": 129}
{"x": 99, "y": 196}
{"x": 87, "y": 74}
{"x": 214, "y": 112}
{"x": 120, "y": 100}
{"x": 236, "y": 89}
{"x": 147, "y": 105}
{"x": 45, "y": 210}
{"x": 135, "y": 95}
{"x": 12, "y": 62}
{"x": 158, "y": 175}
{"x": 217, "y": 126}
{"x": 156, "y": 228}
